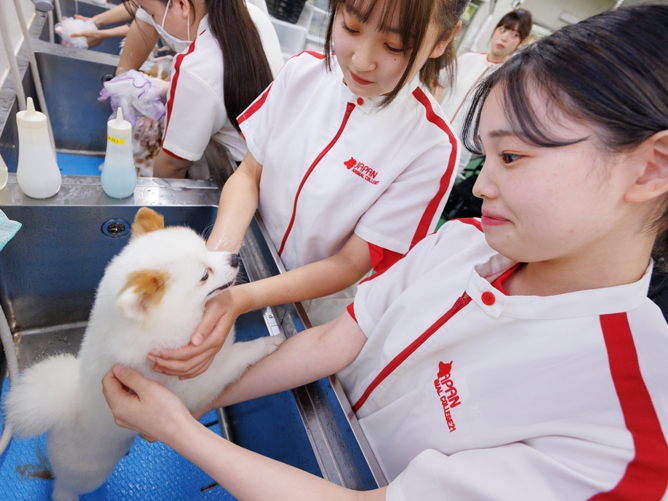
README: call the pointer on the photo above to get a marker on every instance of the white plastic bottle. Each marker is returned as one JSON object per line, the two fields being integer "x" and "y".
{"x": 119, "y": 176}
{"x": 4, "y": 173}
{"x": 37, "y": 172}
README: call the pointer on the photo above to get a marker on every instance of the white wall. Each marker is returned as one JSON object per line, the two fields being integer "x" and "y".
{"x": 547, "y": 12}
{"x": 9, "y": 11}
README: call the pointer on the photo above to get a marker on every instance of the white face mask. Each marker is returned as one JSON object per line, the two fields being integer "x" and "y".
{"x": 175, "y": 43}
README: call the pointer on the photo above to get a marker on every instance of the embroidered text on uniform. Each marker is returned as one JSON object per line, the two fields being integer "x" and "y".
{"x": 363, "y": 171}
{"x": 447, "y": 392}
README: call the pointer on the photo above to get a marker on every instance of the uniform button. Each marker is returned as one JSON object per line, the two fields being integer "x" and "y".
{"x": 488, "y": 298}
{"x": 360, "y": 101}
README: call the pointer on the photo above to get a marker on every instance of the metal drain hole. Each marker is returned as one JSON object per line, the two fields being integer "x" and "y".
{"x": 116, "y": 228}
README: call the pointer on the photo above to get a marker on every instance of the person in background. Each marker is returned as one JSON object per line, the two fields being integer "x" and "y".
{"x": 115, "y": 15}
{"x": 349, "y": 161}
{"x": 228, "y": 53}
{"x": 515, "y": 357}
{"x": 509, "y": 34}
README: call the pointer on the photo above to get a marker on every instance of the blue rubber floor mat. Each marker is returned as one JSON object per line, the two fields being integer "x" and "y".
{"x": 78, "y": 165}
{"x": 148, "y": 472}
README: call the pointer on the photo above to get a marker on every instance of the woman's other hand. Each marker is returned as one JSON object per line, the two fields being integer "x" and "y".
{"x": 93, "y": 37}
{"x": 143, "y": 405}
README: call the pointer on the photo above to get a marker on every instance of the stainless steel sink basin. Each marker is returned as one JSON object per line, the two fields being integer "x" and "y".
{"x": 83, "y": 8}
{"x": 49, "y": 272}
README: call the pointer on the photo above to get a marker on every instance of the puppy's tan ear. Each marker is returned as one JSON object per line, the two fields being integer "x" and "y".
{"x": 146, "y": 221}
{"x": 143, "y": 290}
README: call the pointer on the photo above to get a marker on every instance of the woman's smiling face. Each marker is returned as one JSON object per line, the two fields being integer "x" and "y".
{"x": 372, "y": 60}
{"x": 547, "y": 203}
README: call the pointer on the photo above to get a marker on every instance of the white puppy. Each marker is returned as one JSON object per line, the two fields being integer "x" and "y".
{"x": 152, "y": 295}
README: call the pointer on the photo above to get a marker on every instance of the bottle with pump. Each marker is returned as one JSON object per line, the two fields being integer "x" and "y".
{"x": 37, "y": 172}
{"x": 119, "y": 176}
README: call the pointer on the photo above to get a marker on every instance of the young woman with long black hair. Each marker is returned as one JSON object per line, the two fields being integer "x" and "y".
{"x": 229, "y": 52}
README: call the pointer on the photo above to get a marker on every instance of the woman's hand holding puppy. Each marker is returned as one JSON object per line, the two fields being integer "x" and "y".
{"x": 143, "y": 405}
{"x": 219, "y": 316}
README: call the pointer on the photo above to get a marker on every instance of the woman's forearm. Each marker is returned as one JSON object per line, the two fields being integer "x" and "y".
{"x": 305, "y": 357}
{"x": 238, "y": 203}
{"x": 311, "y": 281}
{"x": 167, "y": 166}
{"x": 118, "y": 31}
{"x": 139, "y": 43}
{"x": 117, "y": 14}
{"x": 247, "y": 475}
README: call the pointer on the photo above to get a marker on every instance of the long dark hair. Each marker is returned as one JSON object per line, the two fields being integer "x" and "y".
{"x": 610, "y": 71}
{"x": 247, "y": 72}
{"x": 414, "y": 19}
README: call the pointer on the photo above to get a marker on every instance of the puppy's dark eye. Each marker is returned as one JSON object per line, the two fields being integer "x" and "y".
{"x": 205, "y": 277}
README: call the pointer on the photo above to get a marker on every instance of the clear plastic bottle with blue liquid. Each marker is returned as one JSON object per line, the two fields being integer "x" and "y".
{"x": 119, "y": 176}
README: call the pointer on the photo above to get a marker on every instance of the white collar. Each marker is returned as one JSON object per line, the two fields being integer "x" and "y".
{"x": 585, "y": 303}
{"x": 203, "y": 24}
{"x": 368, "y": 104}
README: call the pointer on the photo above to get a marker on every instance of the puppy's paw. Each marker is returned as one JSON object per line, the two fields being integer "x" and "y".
{"x": 275, "y": 342}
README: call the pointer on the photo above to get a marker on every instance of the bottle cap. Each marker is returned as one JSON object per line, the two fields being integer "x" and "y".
{"x": 30, "y": 118}
{"x": 119, "y": 128}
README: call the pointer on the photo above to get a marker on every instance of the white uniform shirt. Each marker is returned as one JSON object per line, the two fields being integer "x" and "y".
{"x": 195, "y": 103}
{"x": 466, "y": 393}
{"x": 472, "y": 67}
{"x": 334, "y": 163}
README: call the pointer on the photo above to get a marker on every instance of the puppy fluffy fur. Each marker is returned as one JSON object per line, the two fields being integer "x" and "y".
{"x": 152, "y": 295}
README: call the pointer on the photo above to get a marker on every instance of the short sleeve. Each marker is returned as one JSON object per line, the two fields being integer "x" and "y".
{"x": 411, "y": 206}
{"x": 194, "y": 114}
{"x": 258, "y": 120}
{"x": 376, "y": 294}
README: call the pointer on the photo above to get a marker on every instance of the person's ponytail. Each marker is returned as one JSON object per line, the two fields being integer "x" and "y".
{"x": 247, "y": 72}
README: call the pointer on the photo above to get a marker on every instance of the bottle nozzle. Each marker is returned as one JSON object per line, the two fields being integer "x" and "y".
{"x": 119, "y": 117}
{"x": 30, "y": 106}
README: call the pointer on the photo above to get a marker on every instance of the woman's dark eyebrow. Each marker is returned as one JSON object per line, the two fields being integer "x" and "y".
{"x": 352, "y": 10}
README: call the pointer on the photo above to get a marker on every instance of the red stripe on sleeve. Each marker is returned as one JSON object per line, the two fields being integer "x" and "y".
{"x": 646, "y": 476}
{"x": 351, "y": 310}
{"x": 256, "y": 105}
{"x": 173, "y": 155}
{"x": 382, "y": 258}
{"x": 428, "y": 216}
{"x": 175, "y": 79}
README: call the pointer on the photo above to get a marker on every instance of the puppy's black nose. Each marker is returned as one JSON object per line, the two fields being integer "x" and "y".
{"x": 234, "y": 260}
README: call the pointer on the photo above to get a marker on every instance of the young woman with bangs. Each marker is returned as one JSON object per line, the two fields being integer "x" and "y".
{"x": 349, "y": 161}
{"x": 511, "y": 32}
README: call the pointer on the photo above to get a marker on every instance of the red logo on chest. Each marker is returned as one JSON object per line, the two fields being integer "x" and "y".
{"x": 447, "y": 392}
{"x": 363, "y": 171}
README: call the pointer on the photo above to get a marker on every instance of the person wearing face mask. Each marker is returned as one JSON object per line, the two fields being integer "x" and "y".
{"x": 219, "y": 44}
{"x": 509, "y": 34}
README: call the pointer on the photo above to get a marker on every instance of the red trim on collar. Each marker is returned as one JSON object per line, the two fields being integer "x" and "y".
{"x": 471, "y": 221}
{"x": 498, "y": 283}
